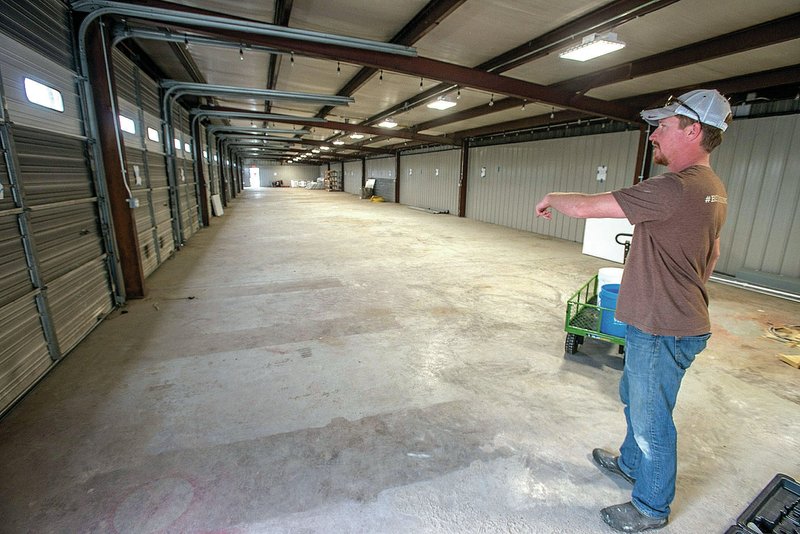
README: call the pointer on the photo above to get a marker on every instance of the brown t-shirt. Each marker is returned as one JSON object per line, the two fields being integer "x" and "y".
{"x": 678, "y": 216}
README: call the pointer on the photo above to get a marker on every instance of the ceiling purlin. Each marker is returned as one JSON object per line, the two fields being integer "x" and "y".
{"x": 728, "y": 86}
{"x": 349, "y": 127}
{"x": 760, "y": 35}
{"x": 423, "y": 22}
{"x": 448, "y": 72}
{"x": 737, "y": 85}
{"x": 476, "y": 111}
{"x": 283, "y": 12}
{"x": 186, "y": 59}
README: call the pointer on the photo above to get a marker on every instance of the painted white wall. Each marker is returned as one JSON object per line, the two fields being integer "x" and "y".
{"x": 270, "y": 171}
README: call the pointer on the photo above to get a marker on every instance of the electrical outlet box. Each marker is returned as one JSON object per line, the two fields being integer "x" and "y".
{"x": 133, "y": 203}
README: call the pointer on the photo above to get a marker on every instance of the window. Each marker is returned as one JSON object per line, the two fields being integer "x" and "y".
{"x": 187, "y": 147}
{"x": 127, "y": 125}
{"x": 43, "y": 95}
{"x": 152, "y": 134}
{"x": 177, "y": 144}
{"x": 205, "y": 155}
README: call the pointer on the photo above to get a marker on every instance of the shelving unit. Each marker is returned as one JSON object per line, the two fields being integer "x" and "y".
{"x": 332, "y": 181}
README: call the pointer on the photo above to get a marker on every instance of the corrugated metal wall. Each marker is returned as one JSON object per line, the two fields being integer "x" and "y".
{"x": 506, "y": 181}
{"x": 383, "y": 170}
{"x": 759, "y": 162}
{"x": 431, "y": 180}
{"x": 352, "y": 177}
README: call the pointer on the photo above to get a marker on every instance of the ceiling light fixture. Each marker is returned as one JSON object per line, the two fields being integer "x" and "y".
{"x": 325, "y": 147}
{"x": 441, "y": 103}
{"x": 592, "y": 46}
{"x": 388, "y": 122}
{"x": 356, "y": 136}
{"x": 338, "y": 142}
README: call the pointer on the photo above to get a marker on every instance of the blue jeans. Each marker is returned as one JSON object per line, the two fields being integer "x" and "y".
{"x": 654, "y": 368}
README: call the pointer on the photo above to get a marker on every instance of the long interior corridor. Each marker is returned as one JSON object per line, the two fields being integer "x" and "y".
{"x": 314, "y": 362}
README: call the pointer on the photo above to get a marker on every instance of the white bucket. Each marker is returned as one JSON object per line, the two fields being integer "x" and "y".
{"x": 608, "y": 275}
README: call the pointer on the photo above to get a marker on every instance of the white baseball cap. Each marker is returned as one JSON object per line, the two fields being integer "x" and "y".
{"x": 703, "y": 105}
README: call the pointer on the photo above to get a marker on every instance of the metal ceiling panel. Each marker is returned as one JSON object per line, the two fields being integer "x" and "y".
{"x": 379, "y": 21}
{"x": 311, "y": 75}
{"x": 223, "y": 66}
{"x": 479, "y": 31}
{"x": 257, "y": 10}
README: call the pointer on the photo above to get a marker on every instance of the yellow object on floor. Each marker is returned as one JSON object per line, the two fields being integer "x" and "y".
{"x": 377, "y": 199}
{"x": 791, "y": 359}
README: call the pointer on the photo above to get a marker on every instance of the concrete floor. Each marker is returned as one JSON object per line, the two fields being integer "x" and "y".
{"x": 314, "y": 362}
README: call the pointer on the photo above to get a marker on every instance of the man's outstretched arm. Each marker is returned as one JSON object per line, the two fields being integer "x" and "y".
{"x": 580, "y": 205}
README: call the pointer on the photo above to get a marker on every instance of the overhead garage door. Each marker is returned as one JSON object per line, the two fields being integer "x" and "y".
{"x": 56, "y": 279}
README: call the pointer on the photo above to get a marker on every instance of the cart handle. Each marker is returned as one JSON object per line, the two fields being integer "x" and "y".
{"x": 626, "y": 244}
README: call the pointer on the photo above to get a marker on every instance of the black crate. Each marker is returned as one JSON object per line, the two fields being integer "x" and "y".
{"x": 776, "y": 510}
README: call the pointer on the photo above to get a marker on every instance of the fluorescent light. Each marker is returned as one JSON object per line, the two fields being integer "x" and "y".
{"x": 338, "y": 142}
{"x": 441, "y": 103}
{"x": 592, "y": 46}
{"x": 325, "y": 147}
{"x": 356, "y": 136}
{"x": 387, "y": 123}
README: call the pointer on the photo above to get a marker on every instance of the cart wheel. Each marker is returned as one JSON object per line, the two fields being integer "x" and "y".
{"x": 571, "y": 344}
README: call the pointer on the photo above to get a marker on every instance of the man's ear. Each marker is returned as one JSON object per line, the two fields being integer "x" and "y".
{"x": 694, "y": 130}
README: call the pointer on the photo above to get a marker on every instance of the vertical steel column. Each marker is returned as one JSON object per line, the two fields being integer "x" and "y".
{"x": 462, "y": 179}
{"x": 199, "y": 175}
{"x": 113, "y": 162}
{"x": 397, "y": 178}
{"x": 644, "y": 156}
{"x": 223, "y": 180}
{"x": 363, "y": 173}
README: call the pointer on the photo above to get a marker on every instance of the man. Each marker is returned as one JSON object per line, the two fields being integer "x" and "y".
{"x": 663, "y": 299}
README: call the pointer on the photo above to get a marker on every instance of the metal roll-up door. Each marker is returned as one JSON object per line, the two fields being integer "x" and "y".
{"x": 66, "y": 286}
{"x": 155, "y": 162}
{"x": 127, "y": 82}
{"x": 184, "y": 179}
{"x": 42, "y": 26}
{"x": 55, "y": 281}
{"x": 25, "y": 356}
{"x": 144, "y": 214}
{"x": 65, "y": 225}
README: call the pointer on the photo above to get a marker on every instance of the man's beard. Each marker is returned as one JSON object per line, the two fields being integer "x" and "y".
{"x": 659, "y": 158}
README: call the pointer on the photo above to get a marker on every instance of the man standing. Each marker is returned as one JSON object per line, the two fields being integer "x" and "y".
{"x": 663, "y": 299}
